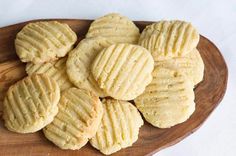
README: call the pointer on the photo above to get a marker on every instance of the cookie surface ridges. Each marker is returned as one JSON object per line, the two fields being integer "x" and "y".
{"x": 168, "y": 100}
{"x": 31, "y": 103}
{"x": 79, "y": 116}
{"x": 119, "y": 127}
{"x": 116, "y": 28}
{"x": 55, "y": 69}
{"x": 123, "y": 70}
{"x": 80, "y": 60}
{"x": 168, "y": 39}
{"x": 41, "y": 42}
{"x": 191, "y": 65}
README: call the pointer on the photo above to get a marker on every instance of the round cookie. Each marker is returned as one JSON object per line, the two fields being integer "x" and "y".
{"x": 168, "y": 100}
{"x": 31, "y": 104}
{"x": 119, "y": 127}
{"x": 79, "y": 116}
{"x": 41, "y": 42}
{"x": 80, "y": 60}
{"x": 116, "y": 28}
{"x": 191, "y": 65}
{"x": 123, "y": 70}
{"x": 55, "y": 70}
{"x": 168, "y": 39}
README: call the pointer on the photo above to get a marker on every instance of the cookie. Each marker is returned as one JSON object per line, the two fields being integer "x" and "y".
{"x": 55, "y": 70}
{"x": 80, "y": 60}
{"x": 168, "y": 39}
{"x": 116, "y": 28}
{"x": 41, "y": 42}
{"x": 168, "y": 100}
{"x": 79, "y": 116}
{"x": 123, "y": 70}
{"x": 31, "y": 104}
{"x": 191, "y": 65}
{"x": 119, "y": 127}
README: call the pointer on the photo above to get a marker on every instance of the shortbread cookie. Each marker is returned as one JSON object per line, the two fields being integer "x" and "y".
{"x": 40, "y": 42}
{"x": 55, "y": 70}
{"x": 79, "y": 116}
{"x": 168, "y": 100}
{"x": 31, "y": 104}
{"x": 119, "y": 127}
{"x": 123, "y": 70}
{"x": 168, "y": 39}
{"x": 191, "y": 65}
{"x": 116, "y": 28}
{"x": 80, "y": 60}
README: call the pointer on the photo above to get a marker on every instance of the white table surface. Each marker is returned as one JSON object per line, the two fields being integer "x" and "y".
{"x": 215, "y": 19}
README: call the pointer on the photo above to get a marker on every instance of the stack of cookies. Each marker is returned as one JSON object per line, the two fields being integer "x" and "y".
{"x": 93, "y": 92}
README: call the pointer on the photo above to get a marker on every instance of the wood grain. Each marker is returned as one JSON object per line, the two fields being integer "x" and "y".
{"x": 208, "y": 93}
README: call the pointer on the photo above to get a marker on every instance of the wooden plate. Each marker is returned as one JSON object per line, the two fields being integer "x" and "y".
{"x": 208, "y": 95}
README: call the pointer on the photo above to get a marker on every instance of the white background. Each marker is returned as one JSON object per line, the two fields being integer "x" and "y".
{"x": 214, "y": 19}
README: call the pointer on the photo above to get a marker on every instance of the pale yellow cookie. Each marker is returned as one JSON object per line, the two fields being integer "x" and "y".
{"x": 119, "y": 127}
{"x": 40, "y": 42}
{"x": 114, "y": 27}
{"x": 168, "y": 39}
{"x": 79, "y": 116}
{"x": 168, "y": 100}
{"x": 80, "y": 60}
{"x": 55, "y": 70}
{"x": 123, "y": 70}
{"x": 191, "y": 65}
{"x": 31, "y": 104}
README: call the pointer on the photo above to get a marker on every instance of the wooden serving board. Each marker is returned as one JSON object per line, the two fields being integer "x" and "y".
{"x": 208, "y": 95}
